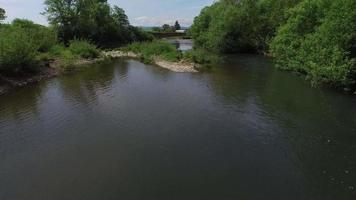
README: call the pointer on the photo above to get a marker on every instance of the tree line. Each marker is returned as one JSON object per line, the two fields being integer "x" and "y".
{"x": 313, "y": 37}
{"x": 166, "y": 28}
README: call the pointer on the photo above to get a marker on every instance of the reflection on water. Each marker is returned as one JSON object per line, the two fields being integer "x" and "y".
{"x": 132, "y": 131}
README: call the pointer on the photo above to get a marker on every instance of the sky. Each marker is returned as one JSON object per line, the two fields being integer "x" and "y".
{"x": 140, "y": 12}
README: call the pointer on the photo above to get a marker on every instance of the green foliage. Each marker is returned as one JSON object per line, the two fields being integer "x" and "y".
{"x": 156, "y": 29}
{"x": 83, "y": 49}
{"x": 77, "y": 49}
{"x": 57, "y": 50}
{"x": 167, "y": 28}
{"x": 139, "y": 35}
{"x": 43, "y": 36}
{"x": 177, "y": 26}
{"x": 18, "y": 50}
{"x": 2, "y": 14}
{"x": 202, "y": 56}
{"x": 317, "y": 40}
{"x": 158, "y": 48}
{"x": 65, "y": 57}
{"x": 313, "y": 37}
{"x": 239, "y": 26}
{"x": 93, "y": 20}
{"x": 20, "y": 44}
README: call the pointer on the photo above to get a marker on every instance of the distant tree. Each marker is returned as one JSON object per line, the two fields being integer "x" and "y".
{"x": 177, "y": 26}
{"x": 156, "y": 29}
{"x": 166, "y": 28}
{"x": 2, "y": 14}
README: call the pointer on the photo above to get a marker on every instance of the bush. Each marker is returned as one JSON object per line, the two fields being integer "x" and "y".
{"x": 18, "y": 50}
{"x": 317, "y": 41}
{"x": 83, "y": 49}
{"x": 202, "y": 56}
{"x": 44, "y": 37}
{"x": 230, "y": 26}
{"x": 149, "y": 50}
{"x": 57, "y": 50}
{"x": 139, "y": 35}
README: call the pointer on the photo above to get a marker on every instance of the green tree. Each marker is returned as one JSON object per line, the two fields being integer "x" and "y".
{"x": 93, "y": 20}
{"x": 319, "y": 40}
{"x": 156, "y": 29}
{"x": 166, "y": 28}
{"x": 239, "y": 25}
{"x": 177, "y": 26}
{"x": 2, "y": 14}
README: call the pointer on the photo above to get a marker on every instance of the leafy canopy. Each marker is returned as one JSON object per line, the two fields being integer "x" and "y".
{"x": 2, "y": 14}
{"x": 93, "y": 20}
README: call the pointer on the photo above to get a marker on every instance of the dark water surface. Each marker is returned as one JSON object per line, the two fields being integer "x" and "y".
{"x": 127, "y": 131}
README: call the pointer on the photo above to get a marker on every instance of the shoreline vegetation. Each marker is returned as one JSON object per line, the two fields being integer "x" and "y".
{"x": 314, "y": 38}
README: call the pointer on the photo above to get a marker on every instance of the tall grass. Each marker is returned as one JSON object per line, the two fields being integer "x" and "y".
{"x": 148, "y": 51}
{"x": 83, "y": 49}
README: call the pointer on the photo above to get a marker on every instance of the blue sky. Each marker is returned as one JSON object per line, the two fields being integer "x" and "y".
{"x": 140, "y": 12}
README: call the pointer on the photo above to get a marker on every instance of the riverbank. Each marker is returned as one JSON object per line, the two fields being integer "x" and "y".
{"x": 9, "y": 82}
{"x": 53, "y": 69}
{"x": 181, "y": 66}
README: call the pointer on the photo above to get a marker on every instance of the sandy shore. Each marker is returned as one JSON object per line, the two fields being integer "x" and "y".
{"x": 182, "y": 67}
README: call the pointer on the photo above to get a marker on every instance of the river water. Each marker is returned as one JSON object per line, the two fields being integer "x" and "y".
{"x": 131, "y": 131}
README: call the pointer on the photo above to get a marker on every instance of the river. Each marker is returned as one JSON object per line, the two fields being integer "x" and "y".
{"x": 127, "y": 130}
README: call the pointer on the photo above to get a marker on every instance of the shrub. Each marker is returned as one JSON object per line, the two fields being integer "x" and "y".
{"x": 44, "y": 37}
{"x": 83, "y": 49}
{"x": 18, "y": 50}
{"x": 139, "y": 35}
{"x": 230, "y": 26}
{"x": 202, "y": 56}
{"x": 57, "y": 50}
{"x": 317, "y": 40}
{"x": 149, "y": 50}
